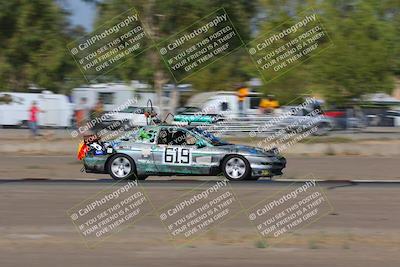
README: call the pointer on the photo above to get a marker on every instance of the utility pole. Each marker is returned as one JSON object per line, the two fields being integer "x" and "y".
{"x": 159, "y": 75}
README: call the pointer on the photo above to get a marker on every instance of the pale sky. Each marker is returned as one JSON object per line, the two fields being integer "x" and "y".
{"x": 82, "y": 13}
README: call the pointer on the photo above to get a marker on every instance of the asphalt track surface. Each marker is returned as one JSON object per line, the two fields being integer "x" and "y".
{"x": 362, "y": 230}
{"x": 298, "y": 167}
{"x": 189, "y": 182}
{"x": 35, "y": 230}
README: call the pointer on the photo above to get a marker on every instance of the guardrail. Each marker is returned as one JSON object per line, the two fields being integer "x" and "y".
{"x": 264, "y": 125}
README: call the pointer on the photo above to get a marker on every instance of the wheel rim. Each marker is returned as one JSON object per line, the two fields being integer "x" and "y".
{"x": 235, "y": 168}
{"x": 121, "y": 167}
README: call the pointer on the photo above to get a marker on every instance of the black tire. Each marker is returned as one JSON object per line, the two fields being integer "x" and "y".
{"x": 121, "y": 173}
{"x": 235, "y": 174}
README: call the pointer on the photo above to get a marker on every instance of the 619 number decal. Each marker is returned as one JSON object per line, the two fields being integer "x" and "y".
{"x": 177, "y": 155}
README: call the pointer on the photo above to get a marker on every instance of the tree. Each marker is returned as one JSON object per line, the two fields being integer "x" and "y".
{"x": 363, "y": 58}
{"x": 164, "y": 18}
{"x": 360, "y": 61}
{"x": 33, "y": 46}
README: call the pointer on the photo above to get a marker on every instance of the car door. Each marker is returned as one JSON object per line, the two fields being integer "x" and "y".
{"x": 205, "y": 156}
{"x": 172, "y": 153}
{"x": 139, "y": 146}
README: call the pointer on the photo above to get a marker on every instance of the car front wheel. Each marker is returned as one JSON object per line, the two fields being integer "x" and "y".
{"x": 236, "y": 168}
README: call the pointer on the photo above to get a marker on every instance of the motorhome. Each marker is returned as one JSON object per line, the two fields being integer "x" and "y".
{"x": 14, "y": 109}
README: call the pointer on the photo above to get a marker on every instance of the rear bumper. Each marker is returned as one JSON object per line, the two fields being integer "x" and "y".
{"x": 95, "y": 164}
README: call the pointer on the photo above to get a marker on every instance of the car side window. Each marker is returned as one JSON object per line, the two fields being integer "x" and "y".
{"x": 176, "y": 137}
{"x": 190, "y": 139}
{"x": 164, "y": 136}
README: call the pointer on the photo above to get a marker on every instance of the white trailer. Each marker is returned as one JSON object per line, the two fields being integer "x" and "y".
{"x": 14, "y": 109}
{"x": 226, "y": 103}
{"x": 113, "y": 95}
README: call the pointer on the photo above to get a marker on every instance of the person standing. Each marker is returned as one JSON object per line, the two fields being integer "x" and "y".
{"x": 33, "y": 119}
{"x": 242, "y": 93}
{"x": 96, "y": 114}
{"x": 81, "y": 114}
{"x": 98, "y": 110}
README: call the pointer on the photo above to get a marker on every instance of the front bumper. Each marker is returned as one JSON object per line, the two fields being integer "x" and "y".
{"x": 267, "y": 166}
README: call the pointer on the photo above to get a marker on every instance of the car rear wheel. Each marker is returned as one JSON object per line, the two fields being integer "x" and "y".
{"x": 121, "y": 167}
{"x": 236, "y": 168}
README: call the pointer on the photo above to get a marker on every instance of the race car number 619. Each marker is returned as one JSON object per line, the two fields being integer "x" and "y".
{"x": 177, "y": 155}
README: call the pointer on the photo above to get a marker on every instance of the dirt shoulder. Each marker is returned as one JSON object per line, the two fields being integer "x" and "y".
{"x": 62, "y": 146}
{"x": 61, "y": 142}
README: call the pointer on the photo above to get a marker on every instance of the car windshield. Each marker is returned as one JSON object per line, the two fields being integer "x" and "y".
{"x": 215, "y": 141}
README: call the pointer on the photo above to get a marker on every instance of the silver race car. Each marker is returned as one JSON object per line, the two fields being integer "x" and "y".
{"x": 173, "y": 150}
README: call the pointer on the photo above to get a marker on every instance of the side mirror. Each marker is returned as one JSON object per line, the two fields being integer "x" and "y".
{"x": 200, "y": 143}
